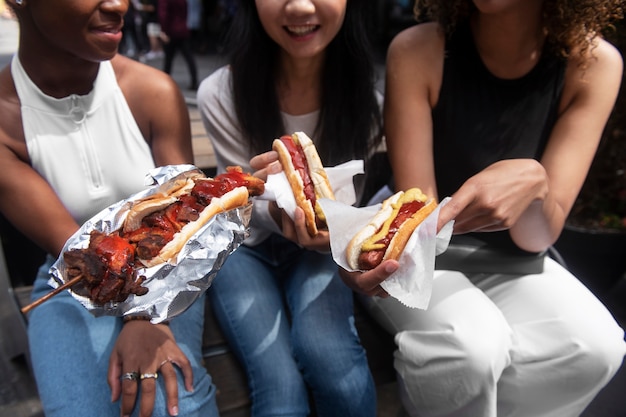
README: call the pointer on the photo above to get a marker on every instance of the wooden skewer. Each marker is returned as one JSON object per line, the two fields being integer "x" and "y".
{"x": 51, "y": 294}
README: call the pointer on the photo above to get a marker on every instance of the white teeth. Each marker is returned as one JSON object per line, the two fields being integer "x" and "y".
{"x": 301, "y": 30}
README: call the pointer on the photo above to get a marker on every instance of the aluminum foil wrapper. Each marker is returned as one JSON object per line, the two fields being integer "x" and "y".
{"x": 172, "y": 288}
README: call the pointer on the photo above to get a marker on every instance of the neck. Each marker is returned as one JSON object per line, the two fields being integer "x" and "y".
{"x": 57, "y": 73}
{"x": 298, "y": 85}
{"x": 509, "y": 43}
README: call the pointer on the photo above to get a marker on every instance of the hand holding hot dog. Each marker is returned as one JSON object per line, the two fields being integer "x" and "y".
{"x": 296, "y": 230}
{"x": 265, "y": 164}
{"x": 368, "y": 282}
{"x": 306, "y": 175}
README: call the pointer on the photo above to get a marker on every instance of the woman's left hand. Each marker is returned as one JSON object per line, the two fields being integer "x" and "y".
{"x": 142, "y": 353}
{"x": 296, "y": 231}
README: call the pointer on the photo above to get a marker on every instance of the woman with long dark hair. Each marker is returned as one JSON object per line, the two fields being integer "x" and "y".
{"x": 295, "y": 65}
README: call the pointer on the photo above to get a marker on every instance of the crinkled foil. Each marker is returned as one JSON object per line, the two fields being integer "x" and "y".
{"x": 172, "y": 288}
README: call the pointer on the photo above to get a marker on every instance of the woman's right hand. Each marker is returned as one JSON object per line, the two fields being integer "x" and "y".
{"x": 147, "y": 348}
{"x": 265, "y": 164}
{"x": 368, "y": 282}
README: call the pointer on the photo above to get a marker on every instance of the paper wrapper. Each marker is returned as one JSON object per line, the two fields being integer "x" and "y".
{"x": 411, "y": 284}
{"x": 277, "y": 187}
{"x": 172, "y": 288}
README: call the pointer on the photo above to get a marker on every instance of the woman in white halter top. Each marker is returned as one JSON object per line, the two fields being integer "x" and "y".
{"x": 80, "y": 126}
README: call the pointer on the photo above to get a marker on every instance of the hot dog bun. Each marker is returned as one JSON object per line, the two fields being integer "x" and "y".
{"x": 167, "y": 195}
{"x": 154, "y": 230}
{"x": 232, "y": 199}
{"x": 199, "y": 199}
{"x": 368, "y": 239}
{"x": 314, "y": 177}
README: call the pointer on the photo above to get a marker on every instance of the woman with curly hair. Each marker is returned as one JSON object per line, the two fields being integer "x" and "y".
{"x": 500, "y": 105}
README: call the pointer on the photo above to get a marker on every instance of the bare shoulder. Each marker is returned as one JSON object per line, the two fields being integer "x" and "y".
{"x": 11, "y": 130}
{"x": 600, "y": 72}
{"x": 422, "y": 41}
{"x": 153, "y": 96}
{"x": 141, "y": 81}
{"x": 415, "y": 60}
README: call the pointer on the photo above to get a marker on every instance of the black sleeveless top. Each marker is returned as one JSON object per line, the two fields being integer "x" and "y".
{"x": 480, "y": 119}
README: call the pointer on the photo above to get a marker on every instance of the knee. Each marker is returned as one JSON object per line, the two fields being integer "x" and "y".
{"x": 598, "y": 358}
{"x": 477, "y": 358}
{"x": 332, "y": 366}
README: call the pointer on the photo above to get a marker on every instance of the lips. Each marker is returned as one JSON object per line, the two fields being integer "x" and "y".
{"x": 301, "y": 30}
{"x": 113, "y": 29}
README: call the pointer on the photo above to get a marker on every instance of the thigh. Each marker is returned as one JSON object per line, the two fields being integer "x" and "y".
{"x": 188, "y": 330}
{"x": 455, "y": 303}
{"x": 247, "y": 300}
{"x": 70, "y": 351}
{"x": 552, "y": 310}
{"x": 320, "y": 303}
{"x": 315, "y": 291}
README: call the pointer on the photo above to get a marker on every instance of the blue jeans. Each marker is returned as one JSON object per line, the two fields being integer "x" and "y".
{"x": 289, "y": 318}
{"x": 70, "y": 351}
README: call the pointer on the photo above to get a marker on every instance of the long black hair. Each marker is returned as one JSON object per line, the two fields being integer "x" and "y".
{"x": 349, "y": 123}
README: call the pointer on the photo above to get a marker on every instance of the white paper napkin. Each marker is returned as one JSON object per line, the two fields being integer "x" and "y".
{"x": 411, "y": 284}
{"x": 340, "y": 177}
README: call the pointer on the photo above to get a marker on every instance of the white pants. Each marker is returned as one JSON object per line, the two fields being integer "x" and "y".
{"x": 503, "y": 345}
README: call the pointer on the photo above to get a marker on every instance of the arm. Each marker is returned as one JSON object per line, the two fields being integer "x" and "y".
{"x": 533, "y": 199}
{"x": 414, "y": 58}
{"x": 159, "y": 109}
{"x": 530, "y": 199}
{"x": 161, "y": 113}
{"x": 30, "y": 204}
{"x": 28, "y": 201}
{"x": 588, "y": 98}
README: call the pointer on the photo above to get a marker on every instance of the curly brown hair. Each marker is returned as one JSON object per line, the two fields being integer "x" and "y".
{"x": 570, "y": 25}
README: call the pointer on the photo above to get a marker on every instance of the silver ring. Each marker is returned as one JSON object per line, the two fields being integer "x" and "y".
{"x": 146, "y": 376}
{"x": 131, "y": 376}
{"x": 162, "y": 363}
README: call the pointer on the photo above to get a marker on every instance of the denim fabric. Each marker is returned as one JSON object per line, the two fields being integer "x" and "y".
{"x": 70, "y": 351}
{"x": 289, "y": 318}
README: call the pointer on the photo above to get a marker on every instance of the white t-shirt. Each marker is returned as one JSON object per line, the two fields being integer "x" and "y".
{"x": 215, "y": 101}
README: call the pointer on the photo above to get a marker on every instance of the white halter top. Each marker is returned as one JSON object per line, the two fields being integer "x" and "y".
{"x": 89, "y": 148}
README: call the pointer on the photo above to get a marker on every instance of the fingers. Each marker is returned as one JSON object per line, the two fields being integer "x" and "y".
{"x": 265, "y": 164}
{"x": 148, "y": 392}
{"x": 113, "y": 376}
{"x": 129, "y": 393}
{"x": 132, "y": 382}
{"x": 451, "y": 211}
{"x": 297, "y": 232}
{"x": 185, "y": 367}
{"x": 171, "y": 386}
{"x": 368, "y": 282}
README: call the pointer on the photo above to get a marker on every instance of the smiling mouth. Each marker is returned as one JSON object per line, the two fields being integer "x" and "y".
{"x": 109, "y": 30}
{"x": 301, "y": 30}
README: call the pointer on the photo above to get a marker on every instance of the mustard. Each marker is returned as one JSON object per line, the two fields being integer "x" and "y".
{"x": 412, "y": 194}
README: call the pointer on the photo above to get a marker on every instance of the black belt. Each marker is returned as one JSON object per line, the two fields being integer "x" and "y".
{"x": 471, "y": 259}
